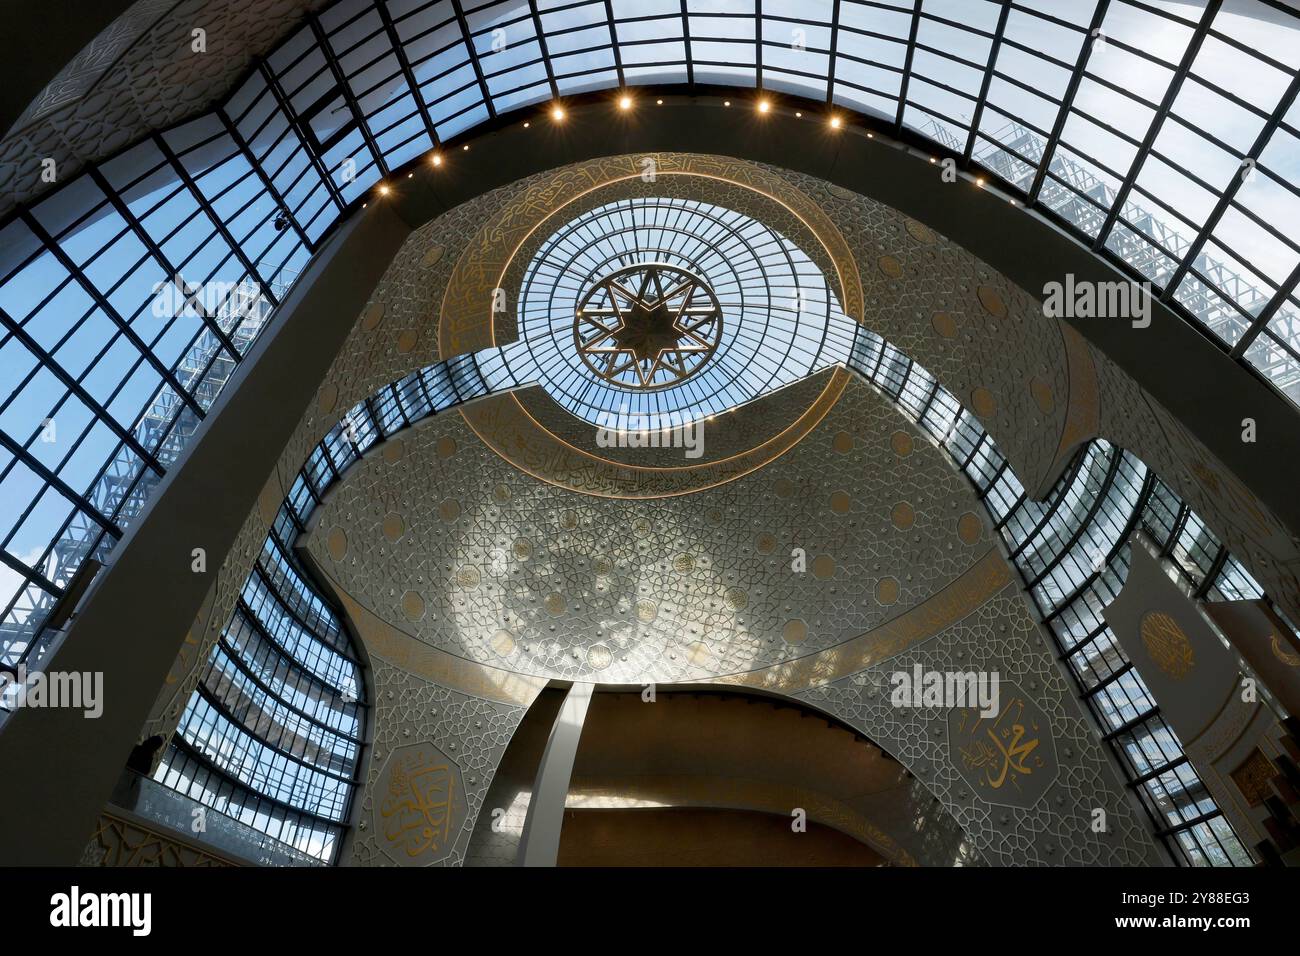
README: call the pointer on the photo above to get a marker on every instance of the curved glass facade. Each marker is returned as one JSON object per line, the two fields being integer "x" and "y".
{"x": 1072, "y": 553}
{"x": 272, "y": 735}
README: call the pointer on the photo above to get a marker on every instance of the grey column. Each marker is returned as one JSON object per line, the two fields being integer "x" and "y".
{"x": 540, "y": 845}
{"x": 60, "y": 767}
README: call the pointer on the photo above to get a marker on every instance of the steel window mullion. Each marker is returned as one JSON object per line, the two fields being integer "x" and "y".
{"x": 103, "y": 304}
{"x": 180, "y": 742}
{"x": 1157, "y": 122}
{"x": 459, "y": 10}
{"x": 72, "y": 385}
{"x": 242, "y": 666}
{"x": 345, "y": 89}
{"x": 305, "y": 141}
{"x": 1226, "y": 198}
{"x": 155, "y": 250}
{"x": 1266, "y": 315}
{"x": 1115, "y": 675}
{"x": 210, "y": 210}
{"x": 29, "y": 575}
{"x": 987, "y": 82}
{"x": 907, "y": 66}
{"x": 831, "y": 54}
{"x": 613, "y": 43}
{"x": 53, "y": 480}
{"x": 399, "y": 52}
{"x": 1107, "y": 482}
{"x": 1067, "y": 100}
{"x": 1076, "y": 467}
{"x": 541, "y": 43}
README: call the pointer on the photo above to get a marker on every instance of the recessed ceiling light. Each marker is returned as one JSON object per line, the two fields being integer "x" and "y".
{"x": 764, "y": 106}
{"x": 836, "y": 122}
{"x": 557, "y": 113}
{"x": 383, "y": 189}
{"x": 437, "y": 159}
{"x": 625, "y": 102}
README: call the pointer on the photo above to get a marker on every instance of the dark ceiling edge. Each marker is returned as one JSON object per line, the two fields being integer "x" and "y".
{"x": 44, "y": 37}
{"x": 1178, "y": 365}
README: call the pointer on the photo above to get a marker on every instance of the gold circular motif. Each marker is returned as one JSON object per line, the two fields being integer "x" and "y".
{"x": 434, "y": 255}
{"x": 394, "y": 450}
{"x": 903, "y": 515}
{"x": 328, "y": 398}
{"x": 991, "y": 301}
{"x": 684, "y": 563}
{"x": 523, "y": 549}
{"x": 765, "y": 543}
{"x": 890, "y": 266}
{"x": 784, "y": 488}
{"x": 372, "y": 316}
{"x": 445, "y": 447}
{"x": 337, "y": 544}
{"x": 944, "y": 324}
{"x": 569, "y": 520}
{"x": 468, "y": 577}
{"x": 599, "y": 657}
{"x": 554, "y": 603}
{"x": 840, "y": 502}
{"x": 887, "y": 591}
{"x": 646, "y": 610}
{"x": 501, "y": 493}
{"x": 901, "y": 442}
{"x": 794, "y": 632}
{"x": 413, "y": 606}
{"x": 919, "y": 231}
{"x": 602, "y": 565}
{"x": 1167, "y": 644}
{"x": 503, "y": 643}
{"x": 969, "y": 528}
{"x": 842, "y": 442}
{"x": 1042, "y": 395}
{"x": 641, "y": 527}
{"x": 394, "y": 527}
{"x": 823, "y": 567}
{"x": 406, "y": 341}
{"x": 983, "y": 403}
{"x": 736, "y": 598}
{"x": 449, "y": 510}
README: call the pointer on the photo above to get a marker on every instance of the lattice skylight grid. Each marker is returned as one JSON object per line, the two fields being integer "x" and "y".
{"x": 781, "y": 321}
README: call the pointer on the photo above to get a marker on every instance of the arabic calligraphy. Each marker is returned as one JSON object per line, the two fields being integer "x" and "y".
{"x": 1009, "y": 758}
{"x": 419, "y": 802}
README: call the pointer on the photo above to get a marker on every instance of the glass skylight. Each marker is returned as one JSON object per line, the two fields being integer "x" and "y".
{"x": 780, "y": 319}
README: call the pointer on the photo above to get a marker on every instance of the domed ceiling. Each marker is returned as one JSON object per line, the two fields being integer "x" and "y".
{"x": 820, "y": 542}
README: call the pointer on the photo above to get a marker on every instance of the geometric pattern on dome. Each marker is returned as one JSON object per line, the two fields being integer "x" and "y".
{"x": 756, "y": 313}
{"x": 647, "y": 326}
